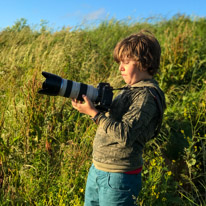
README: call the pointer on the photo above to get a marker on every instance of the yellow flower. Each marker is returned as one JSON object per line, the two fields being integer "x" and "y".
{"x": 81, "y": 190}
{"x": 153, "y": 187}
{"x": 169, "y": 173}
{"x": 182, "y": 131}
{"x": 188, "y": 139}
{"x": 164, "y": 199}
{"x": 153, "y": 162}
{"x": 185, "y": 112}
{"x": 173, "y": 161}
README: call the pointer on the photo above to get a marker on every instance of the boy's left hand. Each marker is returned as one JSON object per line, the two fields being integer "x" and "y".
{"x": 86, "y": 108}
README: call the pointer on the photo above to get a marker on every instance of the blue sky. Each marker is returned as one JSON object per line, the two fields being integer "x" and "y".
{"x": 68, "y": 13}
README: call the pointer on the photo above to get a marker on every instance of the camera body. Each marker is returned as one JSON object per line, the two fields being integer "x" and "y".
{"x": 105, "y": 96}
{"x": 56, "y": 86}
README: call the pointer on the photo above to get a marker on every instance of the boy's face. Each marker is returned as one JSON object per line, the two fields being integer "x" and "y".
{"x": 129, "y": 71}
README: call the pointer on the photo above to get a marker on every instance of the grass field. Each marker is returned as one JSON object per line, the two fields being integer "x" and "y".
{"x": 46, "y": 146}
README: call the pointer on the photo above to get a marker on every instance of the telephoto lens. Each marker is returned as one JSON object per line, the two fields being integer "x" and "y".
{"x": 56, "y": 86}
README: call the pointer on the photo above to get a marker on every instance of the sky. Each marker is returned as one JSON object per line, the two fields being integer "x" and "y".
{"x": 74, "y": 13}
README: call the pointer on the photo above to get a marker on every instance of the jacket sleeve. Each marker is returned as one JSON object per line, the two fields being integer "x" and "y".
{"x": 134, "y": 123}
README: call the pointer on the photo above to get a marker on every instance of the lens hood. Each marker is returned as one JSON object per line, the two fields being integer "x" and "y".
{"x": 51, "y": 85}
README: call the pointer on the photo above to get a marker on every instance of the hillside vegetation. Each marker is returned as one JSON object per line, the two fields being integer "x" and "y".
{"x": 46, "y": 146}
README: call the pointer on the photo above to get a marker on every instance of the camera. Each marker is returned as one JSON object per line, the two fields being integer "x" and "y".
{"x": 56, "y": 86}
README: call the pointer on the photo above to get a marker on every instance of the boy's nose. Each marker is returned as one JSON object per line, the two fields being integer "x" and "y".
{"x": 121, "y": 68}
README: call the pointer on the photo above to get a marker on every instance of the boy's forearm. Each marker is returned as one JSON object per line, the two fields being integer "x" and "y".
{"x": 131, "y": 126}
{"x": 121, "y": 131}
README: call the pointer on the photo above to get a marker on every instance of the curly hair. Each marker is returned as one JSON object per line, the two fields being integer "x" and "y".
{"x": 142, "y": 47}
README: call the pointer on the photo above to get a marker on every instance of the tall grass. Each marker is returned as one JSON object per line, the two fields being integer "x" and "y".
{"x": 46, "y": 146}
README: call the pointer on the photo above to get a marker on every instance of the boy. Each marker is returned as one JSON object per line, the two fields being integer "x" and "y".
{"x": 115, "y": 176}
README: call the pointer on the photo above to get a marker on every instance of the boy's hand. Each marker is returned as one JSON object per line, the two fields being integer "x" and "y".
{"x": 86, "y": 108}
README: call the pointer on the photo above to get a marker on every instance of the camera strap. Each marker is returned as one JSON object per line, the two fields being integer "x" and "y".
{"x": 123, "y": 88}
{"x": 157, "y": 99}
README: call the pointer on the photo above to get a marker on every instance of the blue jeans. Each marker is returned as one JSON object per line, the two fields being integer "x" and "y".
{"x": 111, "y": 189}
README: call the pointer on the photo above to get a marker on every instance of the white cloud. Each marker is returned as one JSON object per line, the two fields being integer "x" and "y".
{"x": 95, "y": 15}
{"x": 84, "y": 17}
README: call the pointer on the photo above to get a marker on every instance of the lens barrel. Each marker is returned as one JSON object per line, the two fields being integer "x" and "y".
{"x": 57, "y": 86}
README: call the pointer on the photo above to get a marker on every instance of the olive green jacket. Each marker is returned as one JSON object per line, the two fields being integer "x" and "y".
{"x": 123, "y": 132}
